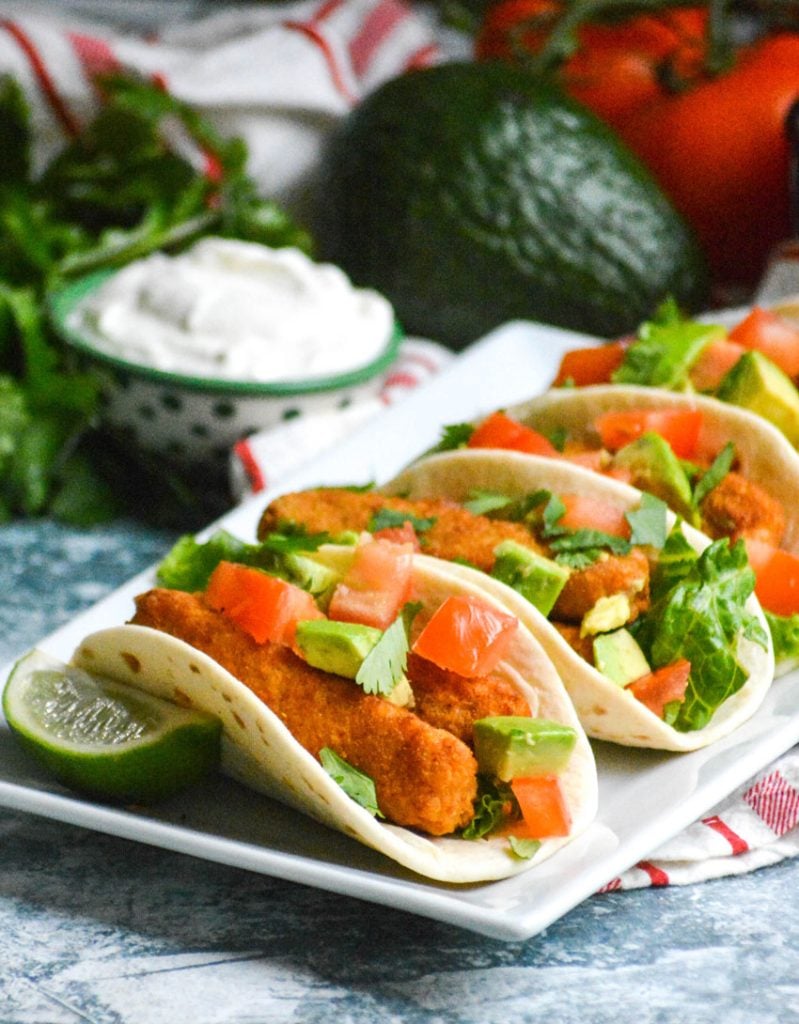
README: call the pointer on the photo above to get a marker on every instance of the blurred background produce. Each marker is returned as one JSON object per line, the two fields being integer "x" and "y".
{"x": 218, "y": 122}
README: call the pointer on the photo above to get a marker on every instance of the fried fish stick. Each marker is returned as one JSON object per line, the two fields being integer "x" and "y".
{"x": 739, "y": 507}
{"x": 452, "y": 702}
{"x": 424, "y": 777}
{"x": 616, "y": 574}
{"x": 456, "y": 533}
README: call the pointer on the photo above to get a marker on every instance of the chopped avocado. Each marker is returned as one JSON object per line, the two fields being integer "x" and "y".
{"x": 608, "y": 613}
{"x": 310, "y": 574}
{"x": 511, "y": 746}
{"x": 539, "y": 580}
{"x": 757, "y": 384}
{"x": 618, "y": 656}
{"x": 656, "y": 469}
{"x": 401, "y": 694}
{"x": 337, "y": 647}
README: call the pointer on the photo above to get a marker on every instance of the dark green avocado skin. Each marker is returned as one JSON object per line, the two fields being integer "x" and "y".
{"x": 472, "y": 194}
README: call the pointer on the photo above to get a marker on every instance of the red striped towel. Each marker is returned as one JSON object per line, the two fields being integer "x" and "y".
{"x": 278, "y": 75}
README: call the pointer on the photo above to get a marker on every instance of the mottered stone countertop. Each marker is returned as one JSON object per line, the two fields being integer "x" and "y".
{"x": 104, "y": 930}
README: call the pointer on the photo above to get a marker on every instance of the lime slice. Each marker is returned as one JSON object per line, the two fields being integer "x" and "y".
{"x": 105, "y": 738}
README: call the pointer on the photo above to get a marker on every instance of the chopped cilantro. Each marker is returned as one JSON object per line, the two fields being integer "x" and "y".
{"x": 482, "y": 502}
{"x": 453, "y": 435}
{"x": 649, "y": 522}
{"x": 388, "y": 518}
{"x": 586, "y": 540}
{"x": 719, "y": 468}
{"x": 357, "y": 785}
{"x": 292, "y": 538}
{"x": 385, "y": 664}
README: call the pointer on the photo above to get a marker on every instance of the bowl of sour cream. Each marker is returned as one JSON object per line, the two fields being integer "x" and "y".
{"x": 196, "y": 350}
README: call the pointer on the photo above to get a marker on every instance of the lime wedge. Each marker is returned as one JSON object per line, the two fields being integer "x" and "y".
{"x": 105, "y": 738}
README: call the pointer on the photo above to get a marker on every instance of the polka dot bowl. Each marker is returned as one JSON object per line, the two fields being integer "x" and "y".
{"x": 196, "y": 421}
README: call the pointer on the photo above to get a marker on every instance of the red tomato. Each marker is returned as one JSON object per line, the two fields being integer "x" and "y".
{"x": 264, "y": 606}
{"x": 500, "y": 431}
{"x": 661, "y": 687}
{"x": 776, "y": 575}
{"x": 544, "y": 809}
{"x": 377, "y": 585}
{"x": 715, "y": 360}
{"x": 404, "y": 534}
{"x": 726, "y": 164}
{"x": 679, "y": 427}
{"x": 584, "y": 366}
{"x": 772, "y": 335}
{"x": 588, "y": 513}
{"x": 466, "y": 636}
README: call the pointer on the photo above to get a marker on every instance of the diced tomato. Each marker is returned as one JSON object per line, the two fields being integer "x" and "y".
{"x": 584, "y": 366}
{"x": 661, "y": 687}
{"x": 589, "y": 460}
{"x": 404, "y": 534}
{"x": 679, "y": 427}
{"x": 376, "y": 586}
{"x": 771, "y": 334}
{"x": 715, "y": 360}
{"x": 589, "y": 513}
{"x": 776, "y": 576}
{"x": 466, "y": 636}
{"x": 544, "y": 809}
{"x": 265, "y": 606}
{"x": 500, "y": 431}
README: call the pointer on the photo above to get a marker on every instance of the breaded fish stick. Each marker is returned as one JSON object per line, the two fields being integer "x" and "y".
{"x": 424, "y": 777}
{"x": 456, "y": 532}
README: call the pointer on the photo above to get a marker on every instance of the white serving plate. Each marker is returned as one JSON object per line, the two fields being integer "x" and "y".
{"x": 644, "y": 797}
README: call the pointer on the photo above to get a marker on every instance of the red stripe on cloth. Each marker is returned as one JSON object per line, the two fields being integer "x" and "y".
{"x": 775, "y": 801}
{"x": 39, "y": 69}
{"x": 418, "y": 357}
{"x": 656, "y": 876}
{"x": 423, "y": 58}
{"x": 316, "y": 37}
{"x": 737, "y": 844}
{"x": 95, "y": 54}
{"x": 400, "y": 379}
{"x": 245, "y": 456}
{"x": 612, "y": 886}
{"x": 378, "y": 25}
{"x": 325, "y": 10}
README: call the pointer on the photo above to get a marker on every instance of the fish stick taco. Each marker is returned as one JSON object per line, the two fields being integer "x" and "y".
{"x": 651, "y": 625}
{"x": 399, "y": 702}
{"x": 724, "y": 469}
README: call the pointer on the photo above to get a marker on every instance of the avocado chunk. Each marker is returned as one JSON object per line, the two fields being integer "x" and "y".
{"x": 757, "y": 384}
{"x": 511, "y": 746}
{"x": 656, "y": 469}
{"x": 609, "y": 612}
{"x": 337, "y": 647}
{"x": 539, "y": 580}
{"x": 618, "y": 656}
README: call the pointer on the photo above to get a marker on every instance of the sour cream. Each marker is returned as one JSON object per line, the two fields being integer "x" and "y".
{"x": 236, "y": 310}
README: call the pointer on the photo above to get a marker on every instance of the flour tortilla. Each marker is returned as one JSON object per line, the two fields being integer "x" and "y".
{"x": 259, "y": 751}
{"x": 607, "y": 711}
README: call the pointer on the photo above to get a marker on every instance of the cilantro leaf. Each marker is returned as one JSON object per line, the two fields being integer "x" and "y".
{"x": 482, "y": 502}
{"x": 388, "y": 518}
{"x": 453, "y": 435}
{"x": 293, "y": 538}
{"x": 356, "y": 784}
{"x": 385, "y": 664}
{"x": 718, "y": 469}
{"x": 586, "y": 540}
{"x": 665, "y": 350}
{"x": 648, "y": 523}
{"x": 701, "y": 617}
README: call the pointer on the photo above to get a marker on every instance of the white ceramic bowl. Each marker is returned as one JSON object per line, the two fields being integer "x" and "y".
{"x": 197, "y": 420}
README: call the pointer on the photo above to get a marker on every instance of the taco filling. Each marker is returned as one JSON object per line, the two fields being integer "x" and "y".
{"x": 624, "y": 588}
{"x": 411, "y": 708}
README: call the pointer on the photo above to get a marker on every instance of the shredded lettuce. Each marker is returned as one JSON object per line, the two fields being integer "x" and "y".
{"x": 784, "y": 635}
{"x": 698, "y": 612}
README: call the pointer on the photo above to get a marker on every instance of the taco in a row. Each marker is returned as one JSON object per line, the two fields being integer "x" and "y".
{"x": 372, "y": 688}
{"x": 651, "y": 625}
{"x": 723, "y": 469}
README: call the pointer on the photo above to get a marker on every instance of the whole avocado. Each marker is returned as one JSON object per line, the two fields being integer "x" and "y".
{"x": 471, "y": 194}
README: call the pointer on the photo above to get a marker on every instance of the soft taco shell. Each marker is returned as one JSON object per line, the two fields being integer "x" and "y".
{"x": 259, "y": 751}
{"x": 607, "y": 711}
{"x": 766, "y": 456}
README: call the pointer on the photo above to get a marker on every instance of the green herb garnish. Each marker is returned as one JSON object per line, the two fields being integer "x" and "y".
{"x": 389, "y": 518}
{"x": 357, "y": 785}
{"x": 648, "y": 522}
{"x": 718, "y": 469}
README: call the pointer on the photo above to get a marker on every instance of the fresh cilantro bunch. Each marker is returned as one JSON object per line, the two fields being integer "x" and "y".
{"x": 117, "y": 192}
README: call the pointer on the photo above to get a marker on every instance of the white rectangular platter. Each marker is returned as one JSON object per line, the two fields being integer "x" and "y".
{"x": 645, "y": 797}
